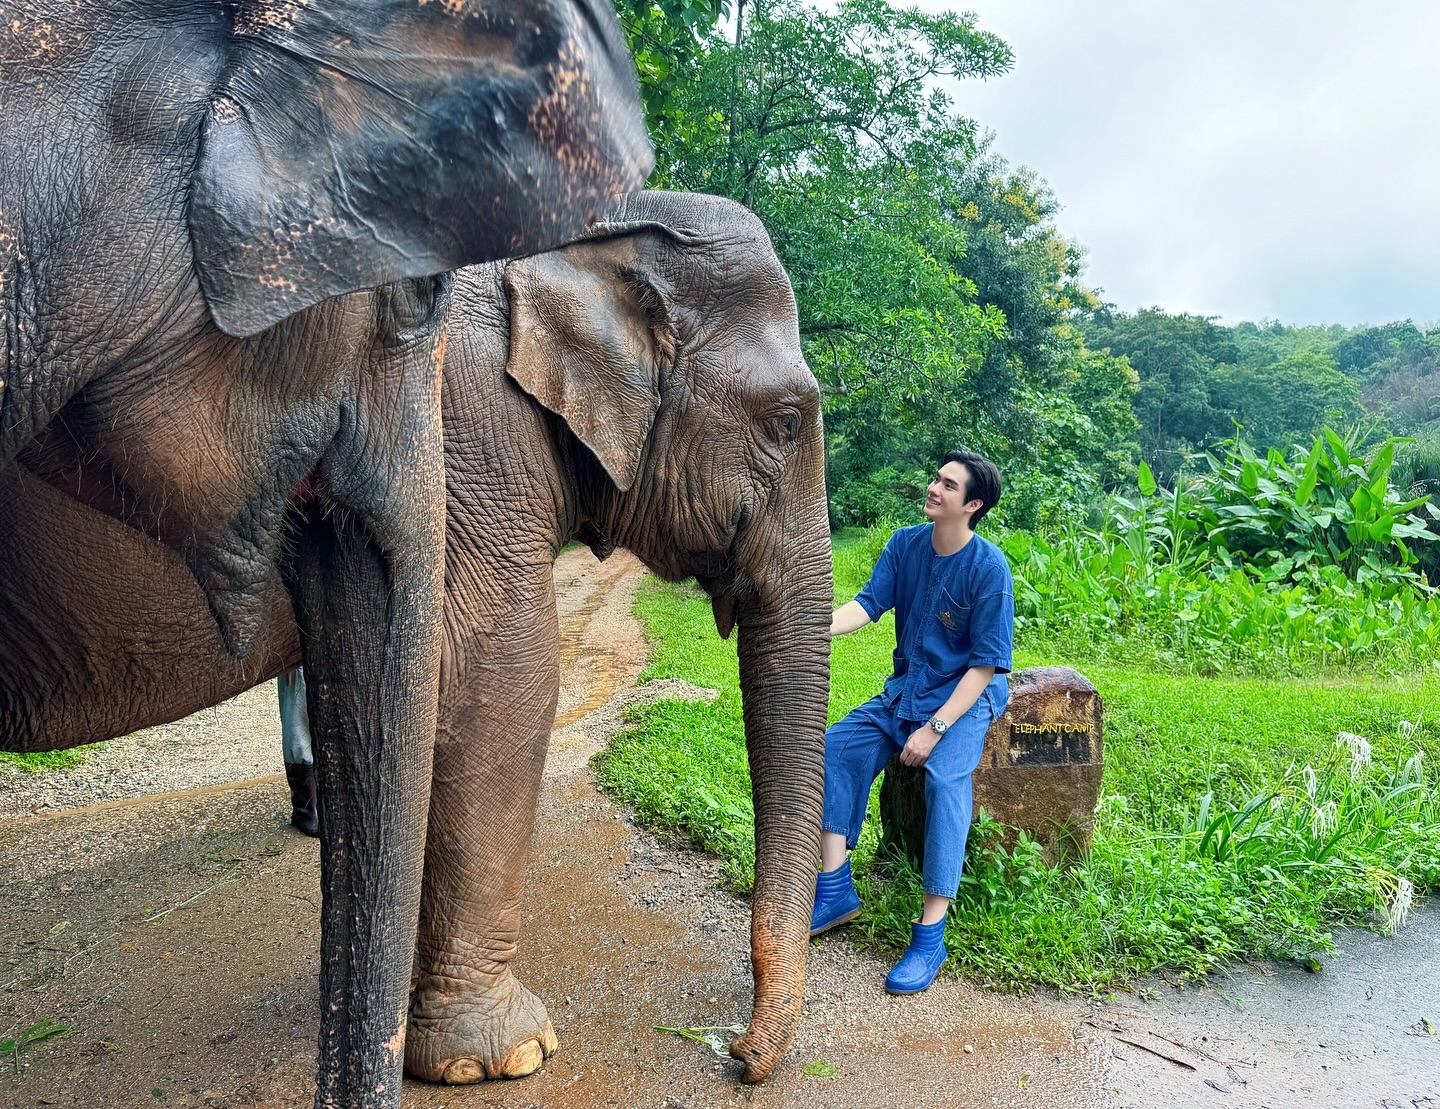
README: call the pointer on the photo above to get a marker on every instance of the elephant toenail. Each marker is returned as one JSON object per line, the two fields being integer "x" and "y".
{"x": 525, "y": 1059}
{"x": 462, "y": 1072}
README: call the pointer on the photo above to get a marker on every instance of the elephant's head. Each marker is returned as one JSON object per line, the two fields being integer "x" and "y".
{"x": 668, "y": 342}
{"x": 169, "y": 163}
{"x": 176, "y": 166}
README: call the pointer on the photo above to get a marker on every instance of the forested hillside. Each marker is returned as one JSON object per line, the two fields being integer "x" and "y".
{"x": 1198, "y": 380}
{"x": 939, "y": 302}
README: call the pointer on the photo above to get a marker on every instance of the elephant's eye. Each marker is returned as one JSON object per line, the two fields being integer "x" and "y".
{"x": 783, "y": 426}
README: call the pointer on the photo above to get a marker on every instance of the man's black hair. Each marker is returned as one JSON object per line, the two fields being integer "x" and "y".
{"x": 983, "y": 483}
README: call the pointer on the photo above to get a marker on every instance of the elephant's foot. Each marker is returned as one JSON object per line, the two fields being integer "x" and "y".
{"x": 471, "y": 1035}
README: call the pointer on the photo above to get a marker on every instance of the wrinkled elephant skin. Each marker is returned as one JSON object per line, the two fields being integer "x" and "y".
{"x": 645, "y": 388}
{"x": 220, "y": 354}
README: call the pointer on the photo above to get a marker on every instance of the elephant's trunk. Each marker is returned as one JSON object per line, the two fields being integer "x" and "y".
{"x": 784, "y": 652}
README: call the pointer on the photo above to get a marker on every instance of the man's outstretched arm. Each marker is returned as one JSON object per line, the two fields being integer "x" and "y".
{"x": 849, "y": 617}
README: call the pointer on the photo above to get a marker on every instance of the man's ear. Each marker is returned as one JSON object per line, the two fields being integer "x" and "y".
{"x": 351, "y": 143}
{"x": 590, "y": 336}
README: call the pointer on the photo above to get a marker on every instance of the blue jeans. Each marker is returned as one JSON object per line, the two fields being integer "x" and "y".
{"x": 857, "y": 749}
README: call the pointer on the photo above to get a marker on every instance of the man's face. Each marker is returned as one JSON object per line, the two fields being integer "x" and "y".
{"x": 945, "y": 498}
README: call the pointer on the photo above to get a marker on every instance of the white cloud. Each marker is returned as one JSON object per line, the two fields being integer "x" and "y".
{"x": 1269, "y": 158}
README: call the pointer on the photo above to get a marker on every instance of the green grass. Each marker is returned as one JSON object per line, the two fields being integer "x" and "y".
{"x": 1180, "y": 878}
{"x": 39, "y": 761}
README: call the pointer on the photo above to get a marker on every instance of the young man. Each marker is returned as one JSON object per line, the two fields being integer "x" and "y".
{"x": 954, "y": 625}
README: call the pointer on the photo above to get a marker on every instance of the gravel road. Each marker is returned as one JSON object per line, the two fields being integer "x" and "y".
{"x": 176, "y": 935}
{"x": 233, "y": 742}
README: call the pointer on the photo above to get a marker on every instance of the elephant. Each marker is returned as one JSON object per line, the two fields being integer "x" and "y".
{"x": 643, "y": 387}
{"x": 226, "y": 234}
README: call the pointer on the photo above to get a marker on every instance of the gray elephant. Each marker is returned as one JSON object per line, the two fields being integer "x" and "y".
{"x": 184, "y": 184}
{"x": 644, "y": 388}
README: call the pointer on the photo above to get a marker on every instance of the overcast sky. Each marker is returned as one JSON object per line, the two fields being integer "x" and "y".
{"x": 1261, "y": 159}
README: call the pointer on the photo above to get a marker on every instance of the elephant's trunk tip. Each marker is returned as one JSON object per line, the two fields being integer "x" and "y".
{"x": 758, "y": 1053}
{"x": 772, "y": 1028}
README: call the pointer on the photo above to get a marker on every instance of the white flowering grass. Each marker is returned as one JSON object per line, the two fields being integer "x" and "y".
{"x": 1360, "y": 754}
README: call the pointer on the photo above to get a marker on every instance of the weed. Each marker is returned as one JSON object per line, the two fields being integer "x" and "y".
{"x": 704, "y": 1034}
{"x": 36, "y": 762}
{"x": 1257, "y": 564}
{"x": 32, "y": 1035}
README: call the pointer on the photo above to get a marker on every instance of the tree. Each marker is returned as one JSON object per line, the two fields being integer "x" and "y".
{"x": 934, "y": 290}
{"x": 1286, "y": 401}
{"x": 668, "y": 39}
{"x": 1174, "y": 358}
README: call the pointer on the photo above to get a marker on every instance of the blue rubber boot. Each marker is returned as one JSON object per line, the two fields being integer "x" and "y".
{"x": 922, "y": 960}
{"x": 836, "y": 901}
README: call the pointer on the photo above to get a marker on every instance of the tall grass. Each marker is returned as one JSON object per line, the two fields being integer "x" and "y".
{"x": 1258, "y": 564}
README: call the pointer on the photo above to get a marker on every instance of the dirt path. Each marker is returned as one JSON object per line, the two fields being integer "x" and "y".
{"x": 177, "y": 936}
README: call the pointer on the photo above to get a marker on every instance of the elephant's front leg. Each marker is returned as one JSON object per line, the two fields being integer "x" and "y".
{"x": 470, "y": 1018}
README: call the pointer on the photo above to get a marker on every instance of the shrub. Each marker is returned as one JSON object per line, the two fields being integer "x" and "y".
{"x": 1330, "y": 506}
{"x": 1256, "y": 564}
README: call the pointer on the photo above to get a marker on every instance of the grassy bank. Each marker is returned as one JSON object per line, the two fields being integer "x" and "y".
{"x": 1232, "y": 822}
{"x": 48, "y": 760}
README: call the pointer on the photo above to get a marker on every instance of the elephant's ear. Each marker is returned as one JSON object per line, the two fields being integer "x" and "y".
{"x": 354, "y": 142}
{"x": 589, "y": 337}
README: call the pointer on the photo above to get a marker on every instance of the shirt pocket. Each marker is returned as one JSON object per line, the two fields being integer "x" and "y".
{"x": 953, "y": 617}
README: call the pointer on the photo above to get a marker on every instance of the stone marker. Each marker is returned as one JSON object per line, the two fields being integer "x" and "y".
{"x": 1040, "y": 770}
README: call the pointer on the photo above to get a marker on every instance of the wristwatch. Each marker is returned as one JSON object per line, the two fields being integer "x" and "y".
{"x": 937, "y": 725}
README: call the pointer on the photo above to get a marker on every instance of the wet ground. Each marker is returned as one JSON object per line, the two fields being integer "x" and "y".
{"x": 176, "y": 935}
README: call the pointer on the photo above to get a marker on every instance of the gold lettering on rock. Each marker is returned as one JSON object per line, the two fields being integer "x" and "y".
{"x": 1050, "y": 729}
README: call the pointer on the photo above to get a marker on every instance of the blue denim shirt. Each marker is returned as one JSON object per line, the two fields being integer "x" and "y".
{"x": 952, "y": 612}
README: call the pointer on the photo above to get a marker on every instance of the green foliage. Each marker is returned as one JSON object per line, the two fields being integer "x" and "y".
{"x": 1197, "y": 378}
{"x": 1330, "y": 506}
{"x": 1278, "y": 401}
{"x": 1232, "y": 822}
{"x": 1092, "y": 595}
{"x": 667, "y": 39}
{"x": 1255, "y": 564}
{"x": 1417, "y": 474}
{"x": 38, "y": 761}
{"x": 940, "y": 306}
{"x": 32, "y": 1035}
{"x": 1174, "y": 358}
{"x": 830, "y": 128}
{"x": 683, "y": 764}
{"x": 1263, "y": 877}
{"x": 934, "y": 291}
{"x": 1396, "y": 366}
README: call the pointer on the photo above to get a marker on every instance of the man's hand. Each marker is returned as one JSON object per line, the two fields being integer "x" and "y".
{"x": 918, "y": 747}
